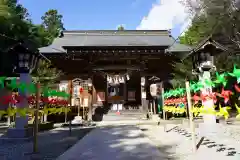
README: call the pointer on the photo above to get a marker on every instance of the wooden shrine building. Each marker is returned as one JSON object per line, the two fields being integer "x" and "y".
{"x": 115, "y": 61}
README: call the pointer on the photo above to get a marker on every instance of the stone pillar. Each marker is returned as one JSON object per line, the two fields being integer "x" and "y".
{"x": 208, "y": 104}
{"x": 151, "y": 108}
{"x": 20, "y": 130}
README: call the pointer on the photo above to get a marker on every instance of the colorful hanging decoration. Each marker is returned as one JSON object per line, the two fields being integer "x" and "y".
{"x": 31, "y": 100}
{"x": 196, "y": 99}
{"x": 24, "y": 111}
{"x": 174, "y": 110}
{"x": 221, "y": 79}
{"x": 236, "y": 73}
{"x": 223, "y": 112}
{"x": 195, "y": 87}
{"x": 214, "y": 97}
{"x": 175, "y": 101}
{"x": 238, "y": 110}
{"x": 208, "y": 83}
{"x": 237, "y": 88}
{"x": 204, "y": 97}
{"x": 226, "y": 95}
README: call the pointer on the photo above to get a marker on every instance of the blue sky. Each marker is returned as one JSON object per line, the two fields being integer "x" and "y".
{"x": 97, "y": 14}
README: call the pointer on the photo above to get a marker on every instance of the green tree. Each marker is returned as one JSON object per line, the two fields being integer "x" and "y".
{"x": 45, "y": 34}
{"x": 45, "y": 73}
{"x": 218, "y": 19}
{"x": 52, "y": 22}
{"x": 121, "y": 28}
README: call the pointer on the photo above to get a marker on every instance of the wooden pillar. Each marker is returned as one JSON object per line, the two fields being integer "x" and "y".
{"x": 148, "y": 95}
{"x": 70, "y": 90}
{"x": 90, "y": 99}
{"x": 94, "y": 92}
{"x": 125, "y": 92}
{"x": 106, "y": 92}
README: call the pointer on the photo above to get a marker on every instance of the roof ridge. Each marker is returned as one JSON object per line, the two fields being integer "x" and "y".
{"x": 117, "y": 32}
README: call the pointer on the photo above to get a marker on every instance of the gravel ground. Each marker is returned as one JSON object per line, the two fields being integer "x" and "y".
{"x": 180, "y": 140}
{"x": 51, "y": 144}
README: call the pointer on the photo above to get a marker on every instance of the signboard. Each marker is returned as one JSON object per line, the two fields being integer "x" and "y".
{"x": 155, "y": 90}
{"x": 131, "y": 95}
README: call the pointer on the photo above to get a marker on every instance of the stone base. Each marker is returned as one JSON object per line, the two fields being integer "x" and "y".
{"x": 17, "y": 136}
{"x": 19, "y": 133}
{"x": 77, "y": 120}
{"x": 208, "y": 129}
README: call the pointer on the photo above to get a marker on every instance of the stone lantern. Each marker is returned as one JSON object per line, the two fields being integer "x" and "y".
{"x": 24, "y": 60}
{"x": 203, "y": 64}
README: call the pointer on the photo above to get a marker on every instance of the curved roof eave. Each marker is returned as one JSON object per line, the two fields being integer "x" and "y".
{"x": 51, "y": 49}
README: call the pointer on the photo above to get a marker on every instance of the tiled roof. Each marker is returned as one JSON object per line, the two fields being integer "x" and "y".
{"x": 112, "y": 38}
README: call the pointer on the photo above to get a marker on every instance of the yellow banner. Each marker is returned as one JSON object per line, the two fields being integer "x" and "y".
{"x": 197, "y": 111}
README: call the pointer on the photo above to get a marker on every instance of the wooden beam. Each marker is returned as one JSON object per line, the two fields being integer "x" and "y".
{"x": 117, "y": 67}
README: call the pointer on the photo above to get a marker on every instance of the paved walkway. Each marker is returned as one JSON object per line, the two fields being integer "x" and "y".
{"x": 114, "y": 143}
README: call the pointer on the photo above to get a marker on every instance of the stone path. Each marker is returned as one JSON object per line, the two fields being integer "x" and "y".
{"x": 114, "y": 143}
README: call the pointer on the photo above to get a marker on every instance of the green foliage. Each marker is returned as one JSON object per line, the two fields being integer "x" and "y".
{"x": 17, "y": 26}
{"x": 218, "y": 19}
{"x": 182, "y": 71}
{"x": 52, "y": 22}
{"x": 45, "y": 73}
{"x": 121, "y": 28}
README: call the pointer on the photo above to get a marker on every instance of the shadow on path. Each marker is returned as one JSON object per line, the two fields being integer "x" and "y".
{"x": 116, "y": 143}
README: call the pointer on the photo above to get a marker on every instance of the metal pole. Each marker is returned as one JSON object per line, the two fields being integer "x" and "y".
{"x": 79, "y": 108}
{"x": 164, "y": 113}
{"x": 192, "y": 126}
{"x": 36, "y": 118}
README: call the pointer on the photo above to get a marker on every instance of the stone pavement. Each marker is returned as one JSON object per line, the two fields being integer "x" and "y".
{"x": 51, "y": 144}
{"x": 114, "y": 143}
{"x": 181, "y": 148}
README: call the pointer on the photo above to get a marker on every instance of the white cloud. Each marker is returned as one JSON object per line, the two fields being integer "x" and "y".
{"x": 165, "y": 15}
